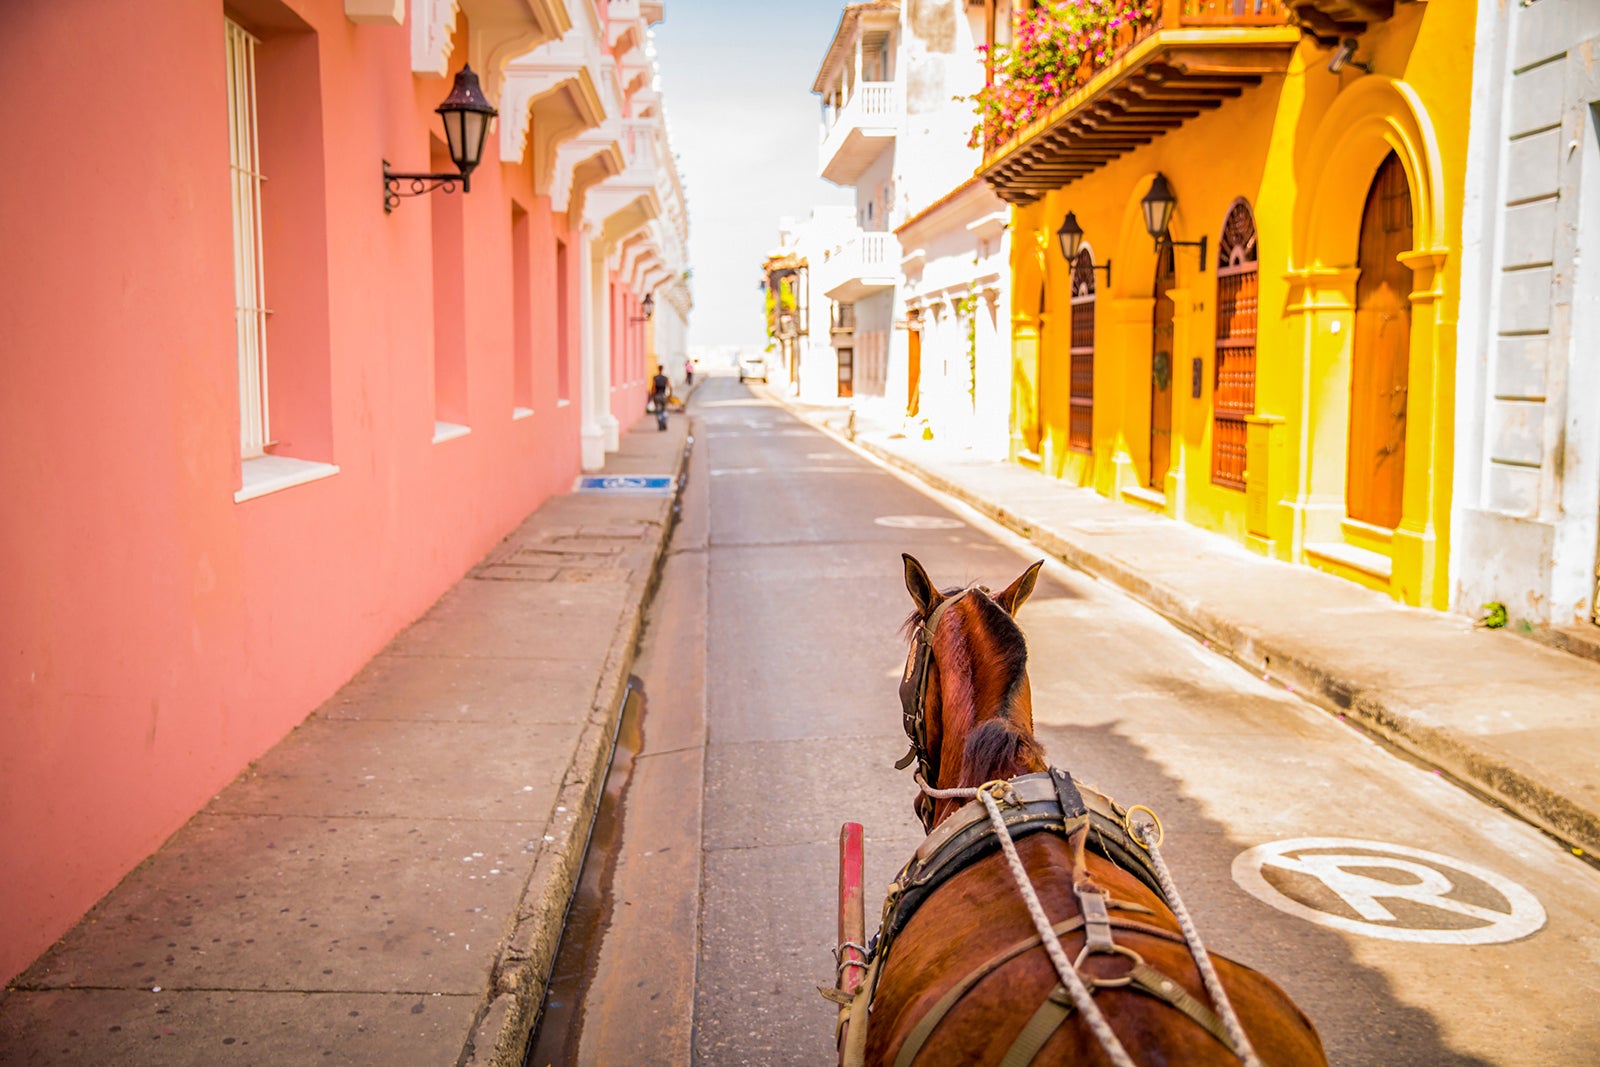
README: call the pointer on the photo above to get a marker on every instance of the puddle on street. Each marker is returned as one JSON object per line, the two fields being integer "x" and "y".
{"x": 559, "y": 1028}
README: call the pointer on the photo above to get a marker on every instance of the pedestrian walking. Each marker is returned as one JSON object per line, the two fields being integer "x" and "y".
{"x": 660, "y": 390}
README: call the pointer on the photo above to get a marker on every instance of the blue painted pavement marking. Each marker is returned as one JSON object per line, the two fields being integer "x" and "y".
{"x": 657, "y": 484}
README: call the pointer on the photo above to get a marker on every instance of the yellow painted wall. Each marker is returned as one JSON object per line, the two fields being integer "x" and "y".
{"x": 1302, "y": 149}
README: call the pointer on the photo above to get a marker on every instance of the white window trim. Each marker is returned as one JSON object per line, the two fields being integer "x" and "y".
{"x": 269, "y": 474}
{"x": 250, "y": 311}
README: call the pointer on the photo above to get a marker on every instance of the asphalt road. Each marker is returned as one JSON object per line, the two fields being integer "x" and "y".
{"x": 770, "y": 668}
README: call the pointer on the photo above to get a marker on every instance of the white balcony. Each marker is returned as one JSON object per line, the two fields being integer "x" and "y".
{"x": 867, "y": 263}
{"x": 862, "y": 128}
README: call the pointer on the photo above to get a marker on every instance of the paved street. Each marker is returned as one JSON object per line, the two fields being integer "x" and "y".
{"x": 787, "y": 560}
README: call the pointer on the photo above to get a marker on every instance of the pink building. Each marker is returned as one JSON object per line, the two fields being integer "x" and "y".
{"x": 255, "y": 424}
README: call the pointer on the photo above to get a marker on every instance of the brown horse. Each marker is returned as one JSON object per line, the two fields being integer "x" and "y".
{"x": 970, "y": 716}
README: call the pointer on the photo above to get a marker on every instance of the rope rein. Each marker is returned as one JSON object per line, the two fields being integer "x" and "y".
{"x": 1202, "y": 958}
{"x": 1082, "y": 999}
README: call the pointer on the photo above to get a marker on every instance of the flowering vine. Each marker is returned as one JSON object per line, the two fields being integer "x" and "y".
{"x": 1050, "y": 43}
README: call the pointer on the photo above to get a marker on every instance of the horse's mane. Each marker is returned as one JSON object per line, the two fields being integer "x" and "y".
{"x": 997, "y": 746}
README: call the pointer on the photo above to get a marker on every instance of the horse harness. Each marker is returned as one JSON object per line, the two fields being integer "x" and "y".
{"x": 1048, "y": 801}
{"x": 1045, "y": 801}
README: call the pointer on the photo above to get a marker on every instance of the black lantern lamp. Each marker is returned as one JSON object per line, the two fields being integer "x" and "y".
{"x": 648, "y": 306}
{"x": 1158, "y": 205}
{"x": 466, "y": 113}
{"x": 1070, "y": 237}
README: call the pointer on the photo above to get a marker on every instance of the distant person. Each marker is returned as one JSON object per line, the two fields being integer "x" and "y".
{"x": 688, "y": 372}
{"x": 660, "y": 390}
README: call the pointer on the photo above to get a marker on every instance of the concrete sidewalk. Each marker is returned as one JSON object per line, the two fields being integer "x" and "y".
{"x": 388, "y": 884}
{"x": 1510, "y": 718}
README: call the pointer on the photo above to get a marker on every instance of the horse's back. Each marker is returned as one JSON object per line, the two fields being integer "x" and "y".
{"x": 964, "y": 932}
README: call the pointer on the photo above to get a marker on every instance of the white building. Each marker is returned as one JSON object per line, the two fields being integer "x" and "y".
{"x": 920, "y": 299}
{"x": 1527, "y": 477}
{"x": 863, "y": 112}
{"x": 599, "y": 143}
{"x": 817, "y": 243}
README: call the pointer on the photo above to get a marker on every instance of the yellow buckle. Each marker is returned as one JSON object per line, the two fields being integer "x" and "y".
{"x": 1139, "y": 835}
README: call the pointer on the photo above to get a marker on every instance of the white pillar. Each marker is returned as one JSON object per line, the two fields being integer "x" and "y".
{"x": 600, "y": 292}
{"x": 593, "y": 452}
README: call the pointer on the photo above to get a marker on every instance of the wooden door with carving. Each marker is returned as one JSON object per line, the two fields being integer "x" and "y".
{"x": 1381, "y": 354}
{"x": 1161, "y": 369}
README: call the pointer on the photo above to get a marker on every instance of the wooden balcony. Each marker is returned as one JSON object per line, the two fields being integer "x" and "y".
{"x": 1186, "y": 59}
{"x": 1330, "y": 20}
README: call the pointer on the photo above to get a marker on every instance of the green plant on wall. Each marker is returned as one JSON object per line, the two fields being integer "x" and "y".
{"x": 967, "y": 310}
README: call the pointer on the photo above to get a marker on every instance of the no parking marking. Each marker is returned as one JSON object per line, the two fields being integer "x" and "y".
{"x": 1442, "y": 900}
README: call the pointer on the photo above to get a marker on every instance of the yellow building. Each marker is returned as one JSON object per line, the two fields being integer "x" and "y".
{"x": 1279, "y": 365}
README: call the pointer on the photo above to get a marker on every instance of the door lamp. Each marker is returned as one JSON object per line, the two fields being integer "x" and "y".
{"x": 1158, "y": 205}
{"x": 466, "y": 113}
{"x": 648, "y": 306}
{"x": 1070, "y": 237}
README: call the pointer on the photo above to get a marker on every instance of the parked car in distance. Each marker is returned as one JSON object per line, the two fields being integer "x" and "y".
{"x": 752, "y": 365}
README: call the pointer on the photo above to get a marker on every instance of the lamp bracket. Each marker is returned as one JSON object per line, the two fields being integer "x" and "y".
{"x": 419, "y": 184}
{"x": 1106, "y": 266}
{"x": 1200, "y": 244}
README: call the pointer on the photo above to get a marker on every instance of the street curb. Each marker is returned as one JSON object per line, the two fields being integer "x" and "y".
{"x": 1475, "y": 769}
{"x": 502, "y": 1034}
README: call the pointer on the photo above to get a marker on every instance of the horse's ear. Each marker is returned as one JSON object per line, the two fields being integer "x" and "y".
{"x": 918, "y": 585}
{"x": 1013, "y": 595}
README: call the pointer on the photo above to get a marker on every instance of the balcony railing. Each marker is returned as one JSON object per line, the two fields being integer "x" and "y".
{"x": 859, "y": 131}
{"x": 842, "y": 318}
{"x": 1142, "y": 76}
{"x": 866, "y": 263}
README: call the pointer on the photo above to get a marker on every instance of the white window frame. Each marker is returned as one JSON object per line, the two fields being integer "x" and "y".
{"x": 250, "y": 310}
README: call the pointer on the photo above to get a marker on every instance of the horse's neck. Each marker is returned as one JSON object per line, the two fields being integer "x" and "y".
{"x": 987, "y": 711}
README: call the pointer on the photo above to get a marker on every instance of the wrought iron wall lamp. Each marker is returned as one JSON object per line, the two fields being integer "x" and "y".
{"x": 466, "y": 113}
{"x": 1071, "y": 238}
{"x": 1158, "y": 205}
{"x": 648, "y": 306}
{"x": 1345, "y": 56}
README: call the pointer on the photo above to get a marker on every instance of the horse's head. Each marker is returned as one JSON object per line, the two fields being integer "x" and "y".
{"x": 965, "y": 697}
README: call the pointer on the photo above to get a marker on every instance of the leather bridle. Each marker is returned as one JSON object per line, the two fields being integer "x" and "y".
{"x": 914, "y": 709}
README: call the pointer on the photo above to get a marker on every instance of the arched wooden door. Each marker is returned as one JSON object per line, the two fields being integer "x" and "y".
{"x": 1161, "y": 369}
{"x": 1381, "y": 357}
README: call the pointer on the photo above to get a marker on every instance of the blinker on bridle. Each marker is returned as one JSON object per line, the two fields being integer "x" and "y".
{"x": 914, "y": 710}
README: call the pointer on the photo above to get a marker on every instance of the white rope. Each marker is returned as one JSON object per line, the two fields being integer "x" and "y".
{"x": 1081, "y": 998}
{"x": 1208, "y": 974}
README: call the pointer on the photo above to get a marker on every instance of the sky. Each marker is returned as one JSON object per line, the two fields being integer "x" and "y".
{"x": 736, "y": 82}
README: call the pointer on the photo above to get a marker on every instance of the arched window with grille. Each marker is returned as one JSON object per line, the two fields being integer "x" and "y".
{"x": 1080, "y": 425}
{"x": 1234, "y": 398}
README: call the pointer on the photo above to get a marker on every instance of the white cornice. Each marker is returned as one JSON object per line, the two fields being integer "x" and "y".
{"x": 376, "y": 12}
{"x": 499, "y": 30}
{"x": 560, "y": 83}
{"x": 433, "y": 24}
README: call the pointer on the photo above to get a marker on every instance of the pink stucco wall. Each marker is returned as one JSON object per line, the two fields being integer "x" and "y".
{"x": 156, "y": 635}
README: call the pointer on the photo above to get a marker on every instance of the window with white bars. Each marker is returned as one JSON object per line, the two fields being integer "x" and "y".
{"x": 250, "y": 313}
